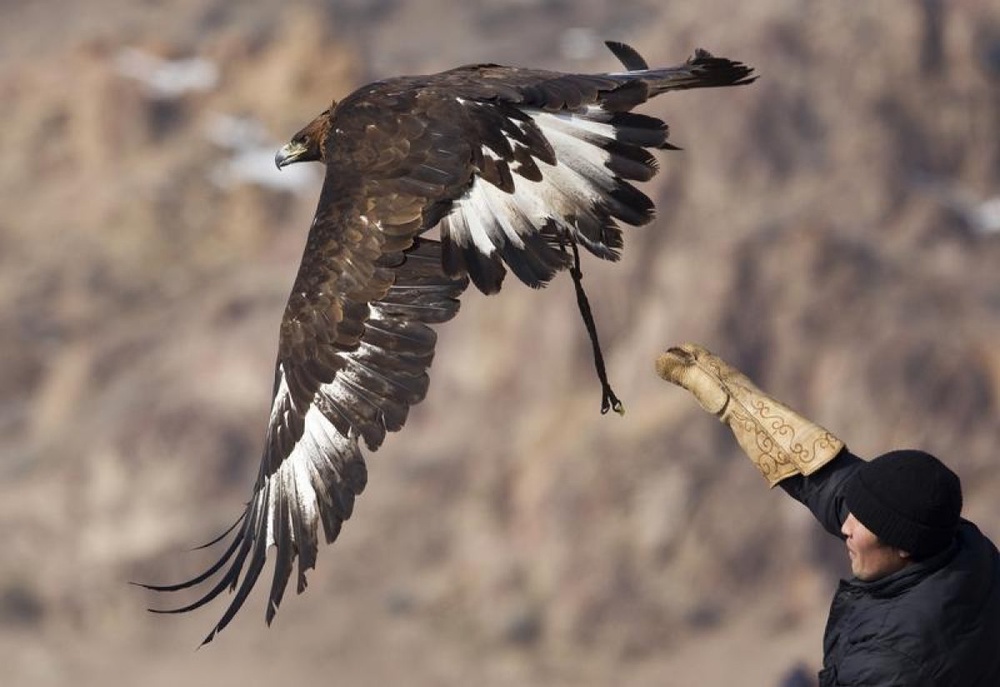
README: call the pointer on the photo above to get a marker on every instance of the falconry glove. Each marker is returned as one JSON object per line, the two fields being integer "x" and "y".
{"x": 779, "y": 441}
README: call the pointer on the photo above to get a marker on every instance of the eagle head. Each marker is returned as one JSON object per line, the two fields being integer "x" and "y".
{"x": 307, "y": 145}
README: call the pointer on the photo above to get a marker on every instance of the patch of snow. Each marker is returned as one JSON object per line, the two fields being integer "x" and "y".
{"x": 167, "y": 79}
{"x": 251, "y": 158}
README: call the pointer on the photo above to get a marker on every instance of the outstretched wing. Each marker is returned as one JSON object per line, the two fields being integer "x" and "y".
{"x": 354, "y": 350}
{"x": 512, "y": 163}
{"x": 554, "y": 159}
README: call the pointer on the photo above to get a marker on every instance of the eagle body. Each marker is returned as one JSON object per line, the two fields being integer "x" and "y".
{"x": 511, "y": 167}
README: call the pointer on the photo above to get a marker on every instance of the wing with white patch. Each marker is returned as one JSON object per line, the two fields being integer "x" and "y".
{"x": 576, "y": 187}
{"x": 332, "y": 390}
{"x": 554, "y": 158}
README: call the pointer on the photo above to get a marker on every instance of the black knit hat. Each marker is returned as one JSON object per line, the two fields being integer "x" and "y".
{"x": 908, "y": 499}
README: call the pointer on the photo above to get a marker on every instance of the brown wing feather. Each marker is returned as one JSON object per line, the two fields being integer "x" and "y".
{"x": 354, "y": 349}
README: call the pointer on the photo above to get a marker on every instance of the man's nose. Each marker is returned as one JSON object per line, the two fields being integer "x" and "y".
{"x": 846, "y": 528}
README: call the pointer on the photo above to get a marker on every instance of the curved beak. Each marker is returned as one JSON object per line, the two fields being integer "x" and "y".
{"x": 289, "y": 153}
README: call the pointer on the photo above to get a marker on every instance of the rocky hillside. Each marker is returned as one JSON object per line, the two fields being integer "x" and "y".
{"x": 833, "y": 229}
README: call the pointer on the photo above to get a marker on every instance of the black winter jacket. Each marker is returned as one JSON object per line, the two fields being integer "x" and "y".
{"x": 935, "y": 623}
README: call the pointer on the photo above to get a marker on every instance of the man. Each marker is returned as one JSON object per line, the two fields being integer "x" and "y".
{"x": 923, "y": 605}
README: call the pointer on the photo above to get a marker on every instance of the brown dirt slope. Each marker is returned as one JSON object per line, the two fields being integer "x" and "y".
{"x": 823, "y": 229}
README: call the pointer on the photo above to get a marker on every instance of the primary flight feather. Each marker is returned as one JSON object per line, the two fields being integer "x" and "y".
{"x": 515, "y": 168}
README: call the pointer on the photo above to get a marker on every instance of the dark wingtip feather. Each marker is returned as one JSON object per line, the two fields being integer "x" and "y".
{"x": 193, "y": 582}
{"x": 627, "y": 55}
{"x": 225, "y": 534}
{"x": 487, "y": 271}
{"x": 720, "y": 71}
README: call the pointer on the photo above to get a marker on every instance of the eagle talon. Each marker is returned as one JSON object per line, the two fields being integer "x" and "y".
{"x": 618, "y": 407}
{"x": 611, "y": 402}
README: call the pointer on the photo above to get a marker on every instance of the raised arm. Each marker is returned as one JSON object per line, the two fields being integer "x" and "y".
{"x": 779, "y": 441}
{"x": 823, "y": 491}
{"x": 809, "y": 462}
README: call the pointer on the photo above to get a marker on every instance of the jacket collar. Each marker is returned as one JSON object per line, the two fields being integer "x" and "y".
{"x": 902, "y": 580}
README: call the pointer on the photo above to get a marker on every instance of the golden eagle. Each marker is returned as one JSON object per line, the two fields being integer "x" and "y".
{"x": 516, "y": 168}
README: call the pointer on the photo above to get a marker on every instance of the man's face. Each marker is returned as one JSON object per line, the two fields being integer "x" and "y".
{"x": 870, "y": 558}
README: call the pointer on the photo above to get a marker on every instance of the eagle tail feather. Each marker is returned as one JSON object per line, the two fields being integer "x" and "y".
{"x": 701, "y": 70}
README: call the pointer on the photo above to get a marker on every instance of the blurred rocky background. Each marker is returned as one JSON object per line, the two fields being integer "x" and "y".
{"x": 834, "y": 229}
